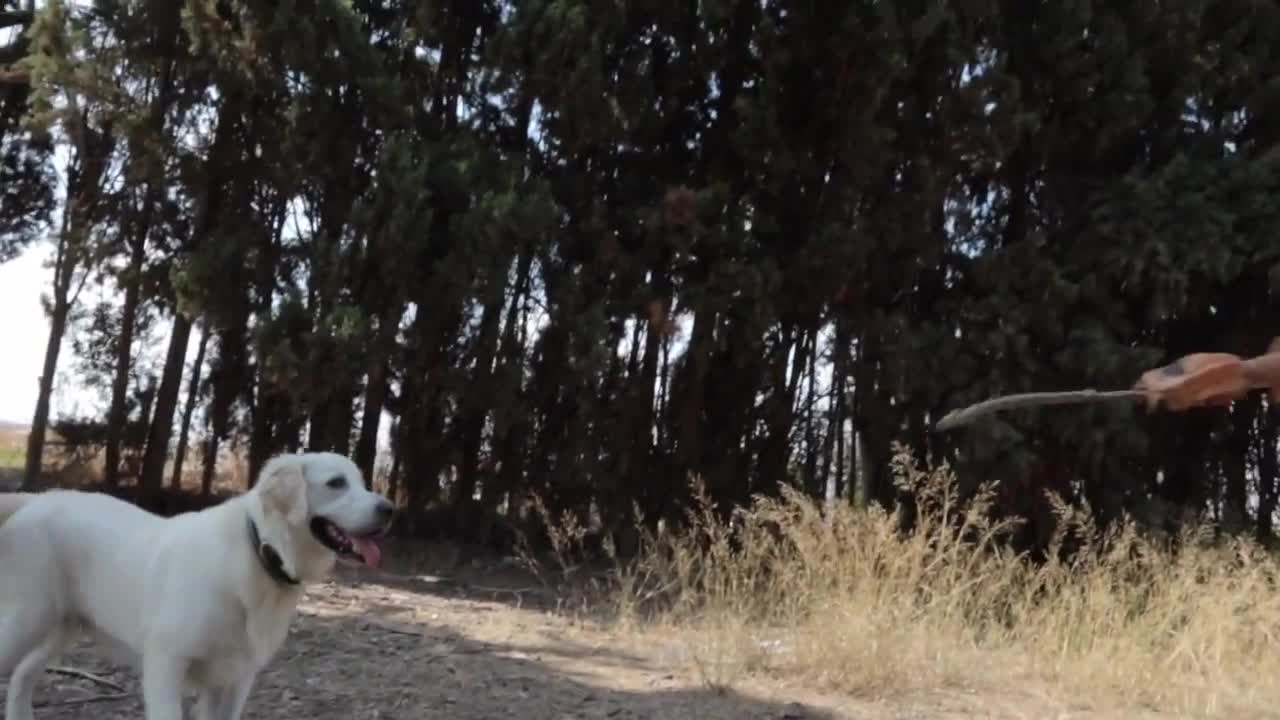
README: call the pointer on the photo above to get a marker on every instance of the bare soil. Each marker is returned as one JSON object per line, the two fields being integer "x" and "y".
{"x": 481, "y": 641}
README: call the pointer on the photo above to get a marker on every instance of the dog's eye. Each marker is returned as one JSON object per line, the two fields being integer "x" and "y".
{"x": 337, "y": 482}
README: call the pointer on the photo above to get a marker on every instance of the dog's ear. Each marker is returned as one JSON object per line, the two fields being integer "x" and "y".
{"x": 283, "y": 488}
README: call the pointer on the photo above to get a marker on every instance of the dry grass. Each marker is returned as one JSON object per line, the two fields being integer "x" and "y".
{"x": 841, "y": 600}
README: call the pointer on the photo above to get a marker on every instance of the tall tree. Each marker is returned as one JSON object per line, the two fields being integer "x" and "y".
{"x": 69, "y": 71}
{"x": 157, "y": 53}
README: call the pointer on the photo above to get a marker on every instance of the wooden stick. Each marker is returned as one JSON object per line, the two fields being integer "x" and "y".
{"x": 85, "y": 675}
{"x": 966, "y": 415}
{"x": 84, "y": 700}
{"x": 1225, "y": 378}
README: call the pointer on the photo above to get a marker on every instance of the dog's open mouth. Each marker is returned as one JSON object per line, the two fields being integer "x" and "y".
{"x": 355, "y": 547}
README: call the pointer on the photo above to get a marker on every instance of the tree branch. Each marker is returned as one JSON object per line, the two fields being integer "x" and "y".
{"x": 11, "y": 18}
{"x": 9, "y": 76}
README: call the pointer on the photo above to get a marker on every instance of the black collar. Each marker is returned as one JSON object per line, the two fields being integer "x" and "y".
{"x": 268, "y": 556}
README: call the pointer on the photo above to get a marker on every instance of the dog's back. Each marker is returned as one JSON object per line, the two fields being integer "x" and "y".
{"x": 10, "y": 503}
{"x": 75, "y": 534}
{"x": 73, "y": 554}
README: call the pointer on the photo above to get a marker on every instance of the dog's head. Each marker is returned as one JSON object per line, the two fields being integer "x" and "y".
{"x": 315, "y": 509}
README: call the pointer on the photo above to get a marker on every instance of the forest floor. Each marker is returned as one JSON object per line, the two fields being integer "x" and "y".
{"x": 485, "y": 641}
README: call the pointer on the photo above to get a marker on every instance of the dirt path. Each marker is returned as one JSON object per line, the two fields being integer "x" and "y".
{"x": 368, "y": 646}
{"x": 370, "y": 651}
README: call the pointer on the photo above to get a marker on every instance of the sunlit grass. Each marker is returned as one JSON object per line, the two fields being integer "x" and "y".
{"x": 842, "y": 600}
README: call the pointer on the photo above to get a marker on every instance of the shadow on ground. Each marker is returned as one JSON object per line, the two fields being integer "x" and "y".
{"x": 339, "y": 665}
{"x": 451, "y": 571}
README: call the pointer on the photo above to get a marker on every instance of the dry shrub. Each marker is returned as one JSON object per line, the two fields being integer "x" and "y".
{"x": 843, "y": 599}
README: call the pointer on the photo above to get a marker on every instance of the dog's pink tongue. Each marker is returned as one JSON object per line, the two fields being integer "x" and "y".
{"x": 368, "y": 550}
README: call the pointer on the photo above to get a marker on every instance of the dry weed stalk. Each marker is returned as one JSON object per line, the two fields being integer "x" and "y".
{"x": 841, "y": 598}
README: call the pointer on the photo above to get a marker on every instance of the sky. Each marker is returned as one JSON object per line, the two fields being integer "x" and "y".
{"x": 26, "y": 330}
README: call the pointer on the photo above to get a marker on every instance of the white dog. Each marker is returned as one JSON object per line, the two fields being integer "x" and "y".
{"x": 199, "y": 602}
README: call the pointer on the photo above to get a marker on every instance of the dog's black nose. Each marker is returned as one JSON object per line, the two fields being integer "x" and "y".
{"x": 385, "y": 510}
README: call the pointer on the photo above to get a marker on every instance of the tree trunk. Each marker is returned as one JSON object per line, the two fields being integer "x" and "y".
{"x": 423, "y": 422}
{"x": 478, "y": 402}
{"x": 393, "y": 478}
{"x": 811, "y": 447}
{"x": 509, "y": 422}
{"x": 330, "y": 429}
{"x": 157, "y": 451}
{"x": 40, "y": 421}
{"x": 84, "y": 174}
{"x": 1268, "y": 472}
{"x": 117, "y": 415}
{"x": 217, "y": 169}
{"x": 386, "y": 303}
{"x": 689, "y": 406}
{"x": 778, "y": 409}
{"x": 272, "y": 423}
{"x": 193, "y": 393}
{"x": 834, "y": 440}
{"x": 209, "y": 460}
{"x": 375, "y": 397}
{"x": 263, "y": 435}
{"x": 861, "y": 472}
{"x": 646, "y": 403}
{"x": 1235, "y": 508}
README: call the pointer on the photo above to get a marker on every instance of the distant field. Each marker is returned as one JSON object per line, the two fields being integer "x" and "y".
{"x": 64, "y": 467}
{"x": 13, "y": 449}
{"x": 13, "y": 445}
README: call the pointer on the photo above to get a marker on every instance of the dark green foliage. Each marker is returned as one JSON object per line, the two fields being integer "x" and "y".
{"x": 26, "y": 168}
{"x": 587, "y": 251}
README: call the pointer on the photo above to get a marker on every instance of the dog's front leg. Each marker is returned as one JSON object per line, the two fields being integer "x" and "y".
{"x": 162, "y": 678}
{"x": 224, "y": 703}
